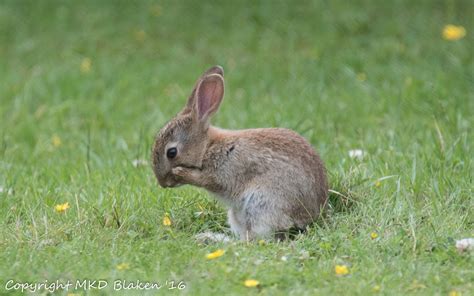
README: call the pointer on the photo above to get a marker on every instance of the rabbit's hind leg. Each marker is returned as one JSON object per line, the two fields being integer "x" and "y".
{"x": 259, "y": 216}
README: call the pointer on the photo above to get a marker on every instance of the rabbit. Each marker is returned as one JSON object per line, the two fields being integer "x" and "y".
{"x": 271, "y": 179}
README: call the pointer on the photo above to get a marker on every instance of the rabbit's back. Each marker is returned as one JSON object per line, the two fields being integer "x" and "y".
{"x": 274, "y": 160}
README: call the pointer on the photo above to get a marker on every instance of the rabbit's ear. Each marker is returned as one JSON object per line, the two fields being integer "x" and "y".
{"x": 213, "y": 70}
{"x": 209, "y": 96}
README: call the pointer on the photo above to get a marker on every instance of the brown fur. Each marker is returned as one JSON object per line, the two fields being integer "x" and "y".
{"x": 270, "y": 178}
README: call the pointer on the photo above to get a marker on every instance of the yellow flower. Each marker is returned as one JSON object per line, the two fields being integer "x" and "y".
{"x": 373, "y": 235}
{"x": 155, "y": 10}
{"x": 415, "y": 285}
{"x": 56, "y": 141}
{"x": 454, "y": 293}
{"x": 341, "y": 270}
{"x": 40, "y": 111}
{"x": 378, "y": 183}
{"x": 60, "y": 208}
{"x": 215, "y": 254}
{"x": 140, "y": 35}
{"x": 123, "y": 266}
{"x": 86, "y": 65}
{"x": 452, "y": 32}
{"x": 166, "y": 220}
{"x": 376, "y": 288}
{"x": 361, "y": 76}
{"x": 201, "y": 207}
{"x": 251, "y": 283}
{"x": 261, "y": 242}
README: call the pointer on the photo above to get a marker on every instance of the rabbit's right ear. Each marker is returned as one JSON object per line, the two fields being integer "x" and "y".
{"x": 209, "y": 96}
{"x": 214, "y": 70}
{"x": 192, "y": 98}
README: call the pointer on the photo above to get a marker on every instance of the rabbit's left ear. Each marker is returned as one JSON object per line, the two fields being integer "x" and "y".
{"x": 208, "y": 96}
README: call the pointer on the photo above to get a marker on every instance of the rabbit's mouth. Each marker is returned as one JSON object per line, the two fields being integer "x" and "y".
{"x": 170, "y": 183}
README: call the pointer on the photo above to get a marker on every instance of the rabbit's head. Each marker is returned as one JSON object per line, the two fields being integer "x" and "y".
{"x": 184, "y": 139}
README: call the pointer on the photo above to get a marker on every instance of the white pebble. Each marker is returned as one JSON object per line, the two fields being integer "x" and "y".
{"x": 466, "y": 244}
{"x": 139, "y": 162}
{"x": 356, "y": 153}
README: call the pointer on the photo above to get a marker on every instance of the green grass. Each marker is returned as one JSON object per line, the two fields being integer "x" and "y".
{"x": 296, "y": 64}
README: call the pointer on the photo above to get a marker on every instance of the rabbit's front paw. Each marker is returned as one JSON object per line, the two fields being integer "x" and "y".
{"x": 185, "y": 173}
{"x": 179, "y": 171}
{"x": 188, "y": 175}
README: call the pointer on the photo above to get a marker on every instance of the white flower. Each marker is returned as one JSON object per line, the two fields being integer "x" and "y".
{"x": 356, "y": 153}
{"x": 466, "y": 244}
{"x": 304, "y": 254}
{"x": 211, "y": 237}
{"x": 139, "y": 162}
{"x": 6, "y": 190}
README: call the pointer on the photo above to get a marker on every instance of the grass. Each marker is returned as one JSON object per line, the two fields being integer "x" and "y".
{"x": 367, "y": 75}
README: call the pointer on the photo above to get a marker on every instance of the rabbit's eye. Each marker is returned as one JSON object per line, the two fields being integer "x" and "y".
{"x": 171, "y": 152}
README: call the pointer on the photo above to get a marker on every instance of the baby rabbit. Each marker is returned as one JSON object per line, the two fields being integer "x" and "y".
{"x": 271, "y": 179}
